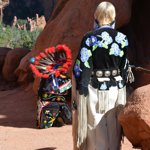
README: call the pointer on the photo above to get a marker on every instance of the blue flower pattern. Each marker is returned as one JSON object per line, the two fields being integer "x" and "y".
{"x": 126, "y": 42}
{"x": 84, "y": 54}
{"x": 94, "y": 40}
{"x": 115, "y": 50}
{"x": 77, "y": 70}
{"x": 91, "y": 41}
{"x": 106, "y": 38}
{"x": 104, "y": 42}
{"x": 121, "y": 39}
{"x": 99, "y": 43}
{"x": 114, "y": 46}
{"x": 88, "y": 42}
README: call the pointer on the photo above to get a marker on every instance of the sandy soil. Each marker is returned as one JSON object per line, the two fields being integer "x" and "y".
{"x": 18, "y": 125}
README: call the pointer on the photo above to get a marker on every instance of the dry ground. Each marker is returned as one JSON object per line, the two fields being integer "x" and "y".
{"x": 18, "y": 130}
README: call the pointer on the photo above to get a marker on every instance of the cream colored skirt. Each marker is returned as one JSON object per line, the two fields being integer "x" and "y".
{"x": 95, "y": 123}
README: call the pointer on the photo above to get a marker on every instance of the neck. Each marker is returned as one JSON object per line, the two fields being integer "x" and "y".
{"x": 109, "y": 25}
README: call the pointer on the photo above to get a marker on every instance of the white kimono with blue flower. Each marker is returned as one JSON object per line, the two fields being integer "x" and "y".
{"x": 102, "y": 49}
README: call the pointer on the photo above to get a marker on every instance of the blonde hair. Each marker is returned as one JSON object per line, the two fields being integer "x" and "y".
{"x": 105, "y": 13}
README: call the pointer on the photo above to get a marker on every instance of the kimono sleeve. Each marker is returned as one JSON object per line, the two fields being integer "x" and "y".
{"x": 83, "y": 66}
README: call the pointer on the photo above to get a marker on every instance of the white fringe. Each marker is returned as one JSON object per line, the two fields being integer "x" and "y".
{"x": 130, "y": 76}
{"x": 82, "y": 122}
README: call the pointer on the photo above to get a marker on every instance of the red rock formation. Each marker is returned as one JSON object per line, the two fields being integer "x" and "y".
{"x": 12, "y": 61}
{"x": 138, "y": 32}
{"x": 141, "y": 77}
{"x": 24, "y": 75}
{"x": 40, "y": 22}
{"x": 135, "y": 118}
{"x": 3, "y": 53}
{"x": 71, "y": 19}
{"x": 48, "y": 7}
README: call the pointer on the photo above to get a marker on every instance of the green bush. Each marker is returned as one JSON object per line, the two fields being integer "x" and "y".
{"x": 21, "y": 22}
{"x": 12, "y": 37}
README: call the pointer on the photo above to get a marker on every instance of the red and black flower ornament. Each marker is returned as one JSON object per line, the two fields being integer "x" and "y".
{"x": 52, "y": 61}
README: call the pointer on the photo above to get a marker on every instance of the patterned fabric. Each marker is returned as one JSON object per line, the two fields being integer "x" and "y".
{"x": 53, "y": 95}
{"x": 55, "y": 85}
{"x": 101, "y": 49}
{"x": 51, "y": 114}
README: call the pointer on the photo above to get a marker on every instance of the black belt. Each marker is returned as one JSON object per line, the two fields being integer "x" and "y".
{"x": 106, "y": 73}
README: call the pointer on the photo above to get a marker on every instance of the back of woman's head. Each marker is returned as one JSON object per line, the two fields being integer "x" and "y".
{"x": 105, "y": 13}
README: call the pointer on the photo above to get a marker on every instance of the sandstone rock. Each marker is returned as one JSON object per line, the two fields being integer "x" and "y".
{"x": 140, "y": 25}
{"x": 142, "y": 77}
{"x": 135, "y": 118}
{"x": 3, "y": 53}
{"x": 138, "y": 32}
{"x": 72, "y": 19}
{"x": 36, "y": 84}
{"x": 48, "y": 7}
{"x": 24, "y": 73}
{"x": 40, "y": 22}
{"x": 12, "y": 61}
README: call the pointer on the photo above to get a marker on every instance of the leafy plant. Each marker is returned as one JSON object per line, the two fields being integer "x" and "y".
{"x": 21, "y": 21}
{"x": 12, "y": 37}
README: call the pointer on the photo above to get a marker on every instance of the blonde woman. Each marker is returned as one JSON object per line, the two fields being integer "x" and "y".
{"x": 100, "y": 73}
